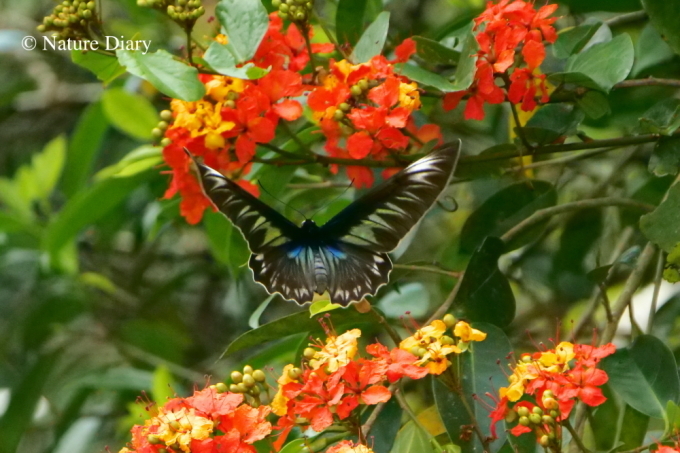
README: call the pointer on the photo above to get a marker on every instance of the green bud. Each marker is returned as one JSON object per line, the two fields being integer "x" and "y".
{"x": 300, "y": 16}
{"x": 259, "y": 376}
{"x": 523, "y": 411}
{"x": 356, "y": 90}
{"x": 537, "y": 410}
{"x": 283, "y": 15}
{"x": 162, "y": 125}
{"x": 153, "y": 439}
{"x": 231, "y": 104}
{"x": 276, "y": 4}
{"x": 554, "y": 414}
{"x": 241, "y": 388}
{"x": 247, "y": 369}
{"x": 363, "y": 83}
{"x": 236, "y": 377}
{"x": 524, "y": 421}
{"x": 308, "y": 353}
{"x": 166, "y": 115}
{"x": 544, "y": 441}
{"x": 91, "y": 5}
{"x": 345, "y": 107}
{"x": 255, "y": 390}
{"x": 284, "y": 8}
{"x": 233, "y": 388}
{"x": 156, "y": 132}
{"x": 548, "y": 420}
{"x": 165, "y": 142}
{"x": 535, "y": 419}
{"x": 449, "y": 320}
{"x": 221, "y": 387}
{"x": 248, "y": 380}
{"x": 338, "y": 115}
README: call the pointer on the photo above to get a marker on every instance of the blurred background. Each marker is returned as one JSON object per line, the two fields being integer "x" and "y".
{"x": 105, "y": 291}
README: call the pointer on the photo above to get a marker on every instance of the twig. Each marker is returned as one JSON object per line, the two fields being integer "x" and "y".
{"x": 443, "y": 308}
{"x": 390, "y": 331}
{"x": 547, "y": 213}
{"x": 649, "y": 81}
{"x": 657, "y": 286}
{"x": 434, "y": 270}
{"x": 632, "y": 284}
{"x": 575, "y": 436}
{"x": 626, "y": 18}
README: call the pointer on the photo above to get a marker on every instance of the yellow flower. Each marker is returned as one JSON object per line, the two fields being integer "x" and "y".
{"x": 202, "y": 118}
{"x": 222, "y": 39}
{"x": 338, "y": 351}
{"x": 557, "y": 361}
{"x": 423, "y": 337}
{"x": 409, "y": 96}
{"x": 125, "y": 450}
{"x": 279, "y": 403}
{"x": 220, "y": 86}
{"x": 435, "y": 358}
{"x": 466, "y": 333}
{"x": 181, "y": 426}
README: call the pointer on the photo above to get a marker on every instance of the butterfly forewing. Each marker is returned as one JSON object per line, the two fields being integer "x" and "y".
{"x": 261, "y": 226}
{"x": 382, "y": 217}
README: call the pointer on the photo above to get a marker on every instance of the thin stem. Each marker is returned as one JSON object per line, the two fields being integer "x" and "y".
{"x": 187, "y": 30}
{"x": 575, "y": 436}
{"x": 562, "y": 160}
{"x": 407, "y": 409}
{"x": 308, "y": 43}
{"x": 547, "y": 213}
{"x": 649, "y": 81}
{"x": 294, "y": 136}
{"x": 434, "y": 270}
{"x": 632, "y": 284}
{"x": 626, "y": 18}
{"x": 280, "y": 151}
{"x": 388, "y": 328}
{"x": 332, "y": 38}
{"x": 657, "y": 286}
{"x": 443, "y": 308}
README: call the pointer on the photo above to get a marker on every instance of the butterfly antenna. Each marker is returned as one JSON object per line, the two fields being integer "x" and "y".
{"x": 334, "y": 199}
{"x": 259, "y": 183}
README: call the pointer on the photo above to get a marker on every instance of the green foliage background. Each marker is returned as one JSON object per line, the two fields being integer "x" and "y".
{"x": 105, "y": 291}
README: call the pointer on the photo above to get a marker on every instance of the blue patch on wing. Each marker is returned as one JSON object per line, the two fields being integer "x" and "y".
{"x": 295, "y": 251}
{"x": 336, "y": 252}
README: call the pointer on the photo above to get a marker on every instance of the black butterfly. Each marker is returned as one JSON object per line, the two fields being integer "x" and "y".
{"x": 347, "y": 256}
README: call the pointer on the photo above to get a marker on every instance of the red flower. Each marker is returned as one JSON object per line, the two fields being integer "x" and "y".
{"x": 404, "y": 50}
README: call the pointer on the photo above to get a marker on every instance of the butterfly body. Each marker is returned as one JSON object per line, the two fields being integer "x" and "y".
{"x": 347, "y": 256}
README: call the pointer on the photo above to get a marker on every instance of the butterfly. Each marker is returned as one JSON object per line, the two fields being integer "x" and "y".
{"x": 347, "y": 256}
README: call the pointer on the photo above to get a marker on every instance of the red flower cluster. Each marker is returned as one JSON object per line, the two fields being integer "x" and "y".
{"x": 555, "y": 379}
{"x": 362, "y": 110}
{"x": 207, "y": 422}
{"x": 504, "y": 27}
{"x": 334, "y": 382}
{"x": 224, "y": 127}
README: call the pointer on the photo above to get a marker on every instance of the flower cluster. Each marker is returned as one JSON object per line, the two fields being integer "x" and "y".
{"x": 362, "y": 110}
{"x": 503, "y": 29}
{"x": 207, "y": 422}
{"x": 334, "y": 380}
{"x": 235, "y": 115}
{"x": 554, "y": 380}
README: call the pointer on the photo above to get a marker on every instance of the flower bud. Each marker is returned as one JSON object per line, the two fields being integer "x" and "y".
{"x": 153, "y": 439}
{"x": 236, "y": 377}
{"x": 175, "y": 425}
{"x": 241, "y": 388}
{"x": 544, "y": 441}
{"x": 524, "y": 421}
{"x": 166, "y": 115}
{"x": 247, "y": 369}
{"x": 221, "y": 387}
{"x": 166, "y": 142}
{"x": 523, "y": 411}
{"x": 554, "y": 414}
{"x": 345, "y": 107}
{"x": 550, "y": 403}
{"x": 248, "y": 380}
{"x": 533, "y": 418}
{"x": 233, "y": 388}
{"x": 363, "y": 84}
{"x": 338, "y": 115}
{"x": 356, "y": 90}
{"x": 449, "y": 320}
{"x": 446, "y": 340}
{"x": 259, "y": 376}
{"x": 276, "y": 4}
{"x": 537, "y": 410}
{"x": 308, "y": 353}
{"x": 548, "y": 420}
{"x": 255, "y": 390}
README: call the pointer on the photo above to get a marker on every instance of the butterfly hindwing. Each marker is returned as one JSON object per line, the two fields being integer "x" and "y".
{"x": 381, "y": 218}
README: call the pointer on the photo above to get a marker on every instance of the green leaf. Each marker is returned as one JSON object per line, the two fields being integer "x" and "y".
{"x": 85, "y": 142}
{"x": 605, "y": 420}
{"x": 226, "y": 242}
{"x": 645, "y": 375}
{"x": 349, "y": 20}
{"x": 425, "y": 77}
{"x": 296, "y": 446}
{"x": 662, "y": 118}
{"x": 386, "y": 426}
{"x": 575, "y": 78}
{"x": 465, "y": 72}
{"x": 28, "y": 390}
{"x": 606, "y": 63}
{"x": 136, "y": 161}
{"x": 400, "y": 300}
{"x": 481, "y": 375}
{"x": 572, "y": 40}
{"x": 664, "y": 16}
{"x": 650, "y": 50}
{"x": 130, "y": 113}
{"x": 84, "y": 209}
{"x": 163, "y": 384}
{"x": 435, "y": 52}
{"x": 254, "y": 320}
{"x": 553, "y": 121}
{"x": 245, "y": 23}
{"x": 46, "y": 168}
{"x": 661, "y": 225}
{"x": 293, "y": 325}
{"x": 410, "y": 439}
{"x": 221, "y": 60}
{"x": 594, "y": 104}
{"x": 665, "y": 159}
{"x": 485, "y": 294}
{"x": 105, "y": 67}
{"x": 372, "y": 41}
{"x": 583, "y": 6}
{"x": 171, "y": 77}
{"x": 322, "y": 306}
{"x": 672, "y": 418}
{"x": 633, "y": 429}
{"x": 505, "y": 209}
